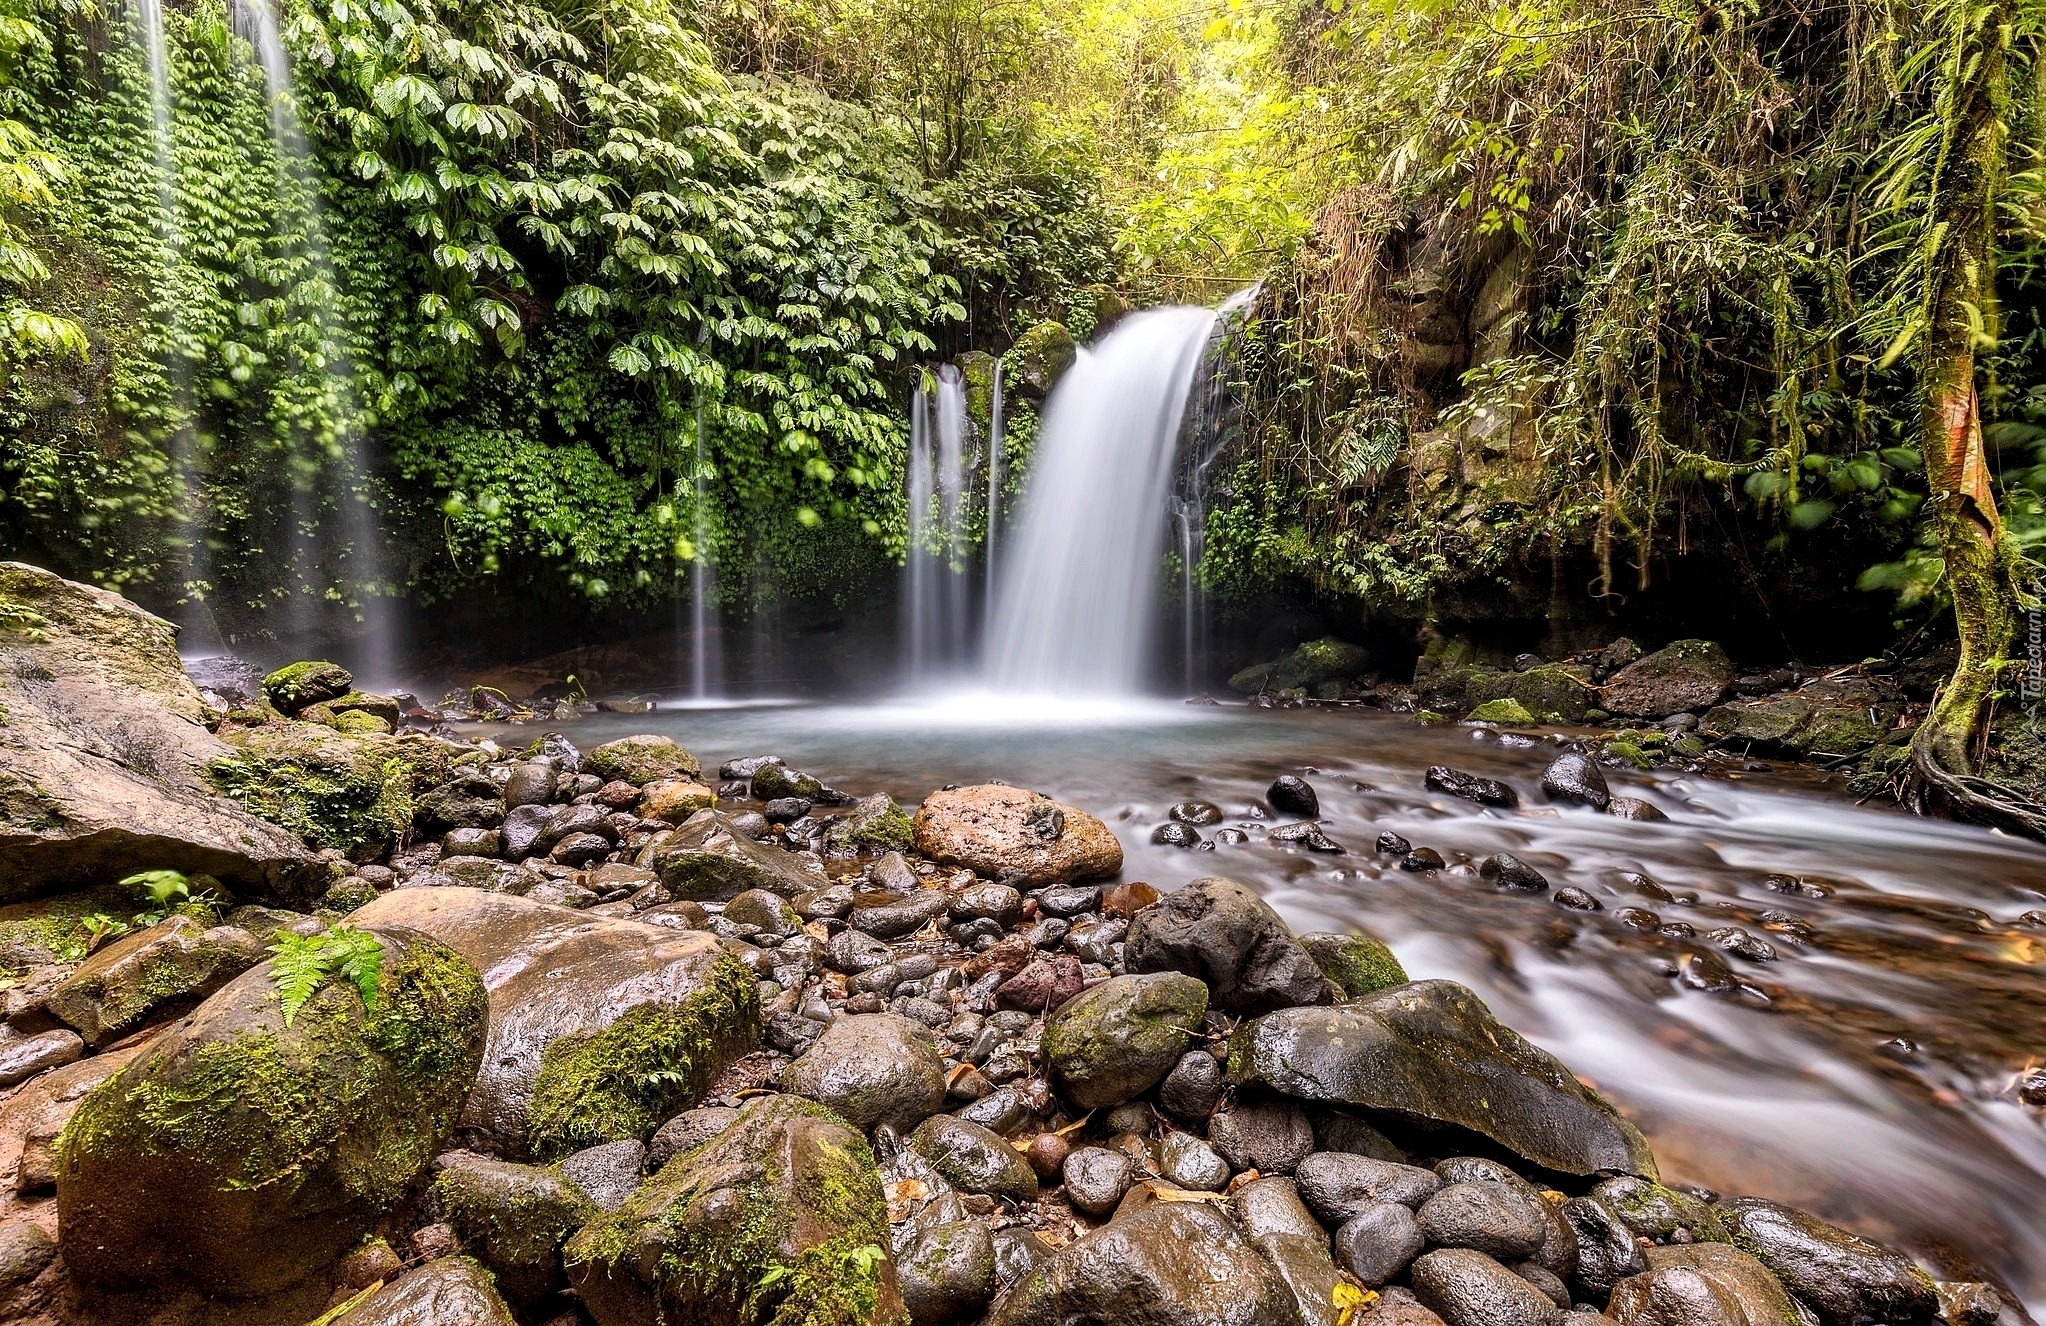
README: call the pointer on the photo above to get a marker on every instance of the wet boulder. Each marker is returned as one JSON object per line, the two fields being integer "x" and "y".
{"x": 450, "y": 1291}
{"x": 1494, "y": 1218}
{"x": 1432, "y": 1049}
{"x": 1687, "y": 676}
{"x": 1273, "y": 1221}
{"x": 1170, "y": 1264}
{"x": 33, "y": 1118}
{"x": 1339, "y": 1185}
{"x": 992, "y": 830}
{"x": 1289, "y": 795}
{"x": 874, "y": 822}
{"x": 511, "y": 1217}
{"x": 674, "y": 800}
{"x": 313, "y": 681}
{"x": 946, "y": 1271}
{"x": 1468, "y": 1288}
{"x": 1607, "y": 1252}
{"x": 1221, "y": 933}
{"x": 1118, "y": 1040}
{"x": 241, "y": 1153}
{"x": 773, "y": 780}
{"x": 600, "y": 1027}
{"x": 1702, "y": 1284}
{"x": 1359, "y": 964}
{"x": 1651, "y": 1211}
{"x": 1575, "y": 776}
{"x": 641, "y": 760}
{"x": 149, "y": 976}
{"x": 1471, "y": 787}
{"x": 23, "y": 1057}
{"x": 872, "y": 1068}
{"x": 105, "y": 751}
{"x": 779, "y": 1216}
{"x": 709, "y": 859}
{"x": 1846, "y": 1279}
{"x": 1096, "y": 1178}
{"x": 974, "y": 1159}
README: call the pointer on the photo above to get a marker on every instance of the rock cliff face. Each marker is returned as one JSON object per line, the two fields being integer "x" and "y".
{"x": 102, "y": 752}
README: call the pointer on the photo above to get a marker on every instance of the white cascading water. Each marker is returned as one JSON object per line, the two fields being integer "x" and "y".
{"x": 935, "y": 596}
{"x": 1077, "y": 601}
{"x": 706, "y": 641}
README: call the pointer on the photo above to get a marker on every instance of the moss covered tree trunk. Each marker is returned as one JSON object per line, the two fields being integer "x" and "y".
{"x": 1959, "y": 321}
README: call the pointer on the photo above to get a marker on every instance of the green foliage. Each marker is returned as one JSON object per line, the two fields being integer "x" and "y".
{"x": 165, "y": 892}
{"x": 302, "y": 964}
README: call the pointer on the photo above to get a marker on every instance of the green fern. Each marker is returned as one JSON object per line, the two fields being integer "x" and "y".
{"x": 302, "y": 964}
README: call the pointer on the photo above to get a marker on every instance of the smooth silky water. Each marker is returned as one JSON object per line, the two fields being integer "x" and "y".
{"x": 1803, "y": 1089}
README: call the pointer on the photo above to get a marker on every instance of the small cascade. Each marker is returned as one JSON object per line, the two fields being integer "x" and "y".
{"x": 1211, "y": 425}
{"x": 997, "y": 445}
{"x": 935, "y": 602}
{"x": 342, "y": 471}
{"x": 706, "y": 646}
{"x": 1076, "y": 601}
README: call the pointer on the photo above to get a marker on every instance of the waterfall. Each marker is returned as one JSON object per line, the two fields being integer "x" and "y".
{"x": 1076, "y": 602}
{"x": 343, "y": 467}
{"x": 936, "y": 592}
{"x": 997, "y": 443}
{"x": 706, "y": 652}
{"x": 1208, "y": 428}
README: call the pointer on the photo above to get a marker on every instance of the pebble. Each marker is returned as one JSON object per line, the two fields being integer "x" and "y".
{"x": 1339, "y": 1185}
{"x": 1379, "y": 1242}
{"x": 1175, "y": 834}
{"x": 1192, "y": 1163}
{"x": 1484, "y": 791}
{"x": 1503, "y": 870}
{"x": 1096, "y": 1179}
{"x": 1197, "y": 812}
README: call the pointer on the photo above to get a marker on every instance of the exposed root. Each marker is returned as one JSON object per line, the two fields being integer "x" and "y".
{"x": 1937, "y": 788}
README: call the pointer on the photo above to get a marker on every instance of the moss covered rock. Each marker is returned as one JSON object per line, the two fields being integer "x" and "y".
{"x": 1040, "y": 357}
{"x": 641, "y": 760}
{"x": 1508, "y": 710}
{"x": 1120, "y": 1039}
{"x": 708, "y": 859}
{"x": 141, "y": 978}
{"x": 240, "y": 1154}
{"x": 334, "y": 712}
{"x": 103, "y": 753}
{"x": 354, "y": 794}
{"x": 1765, "y": 723}
{"x": 1838, "y": 731}
{"x": 453, "y": 1291}
{"x": 513, "y": 1218}
{"x": 600, "y": 1028}
{"x": 1687, "y": 675}
{"x": 1360, "y": 964}
{"x": 779, "y": 1218}
{"x": 297, "y": 685}
{"x": 875, "y": 821}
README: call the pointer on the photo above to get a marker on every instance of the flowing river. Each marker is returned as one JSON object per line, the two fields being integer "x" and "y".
{"x": 1868, "y": 1073}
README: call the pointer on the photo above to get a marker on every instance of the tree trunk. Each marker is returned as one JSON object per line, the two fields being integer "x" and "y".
{"x": 1959, "y": 316}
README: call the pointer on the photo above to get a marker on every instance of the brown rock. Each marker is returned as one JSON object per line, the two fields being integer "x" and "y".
{"x": 991, "y": 829}
{"x": 1042, "y": 986}
{"x": 149, "y": 976}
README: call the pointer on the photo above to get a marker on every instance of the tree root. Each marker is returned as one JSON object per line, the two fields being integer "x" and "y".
{"x": 1936, "y": 788}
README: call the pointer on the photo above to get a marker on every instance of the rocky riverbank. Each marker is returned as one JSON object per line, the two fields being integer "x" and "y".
{"x": 555, "y": 1035}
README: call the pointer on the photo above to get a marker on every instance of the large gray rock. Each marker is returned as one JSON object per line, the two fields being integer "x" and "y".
{"x": 779, "y": 1217}
{"x": 103, "y": 754}
{"x": 1119, "y": 1039}
{"x": 238, "y": 1155}
{"x": 1686, "y": 676}
{"x": 1467, "y": 1288}
{"x": 708, "y": 859}
{"x": 1433, "y": 1050}
{"x": 974, "y": 1159}
{"x": 872, "y": 1068}
{"x": 992, "y": 830}
{"x": 1221, "y": 933}
{"x": 149, "y": 976}
{"x": 601, "y": 1028}
{"x": 1844, "y": 1278}
{"x": 1171, "y": 1264}
{"x": 1702, "y": 1284}
{"x": 453, "y": 1291}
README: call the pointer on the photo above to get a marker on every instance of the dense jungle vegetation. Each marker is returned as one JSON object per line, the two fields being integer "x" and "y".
{"x": 1553, "y": 293}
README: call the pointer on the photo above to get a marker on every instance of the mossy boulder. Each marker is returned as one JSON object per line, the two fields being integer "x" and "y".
{"x": 1040, "y": 357}
{"x": 708, "y": 860}
{"x": 241, "y": 1154}
{"x": 1767, "y": 723}
{"x": 35, "y": 934}
{"x": 780, "y": 1217}
{"x": 1432, "y": 1050}
{"x": 145, "y": 977}
{"x": 1685, "y": 676}
{"x": 601, "y": 1028}
{"x": 1360, "y": 964}
{"x": 335, "y": 713}
{"x": 641, "y": 760}
{"x": 875, "y": 821}
{"x": 354, "y": 794}
{"x": 774, "y": 780}
{"x": 513, "y": 1218}
{"x": 103, "y": 753}
{"x": 1119, "y": 1039}
{"x": 1702, "y": 1282}
{"x": 1838, "y": 731}
{"x": 1309, "y": 665}
{"x": 296, "y": 685}
{"x": 1508, "y": 710}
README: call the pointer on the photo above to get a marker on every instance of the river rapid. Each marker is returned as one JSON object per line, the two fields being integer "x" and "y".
{"x": 1869, "y": 1072}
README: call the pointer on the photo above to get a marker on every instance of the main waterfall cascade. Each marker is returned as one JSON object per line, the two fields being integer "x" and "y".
{"x": 1075, "y": 608}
